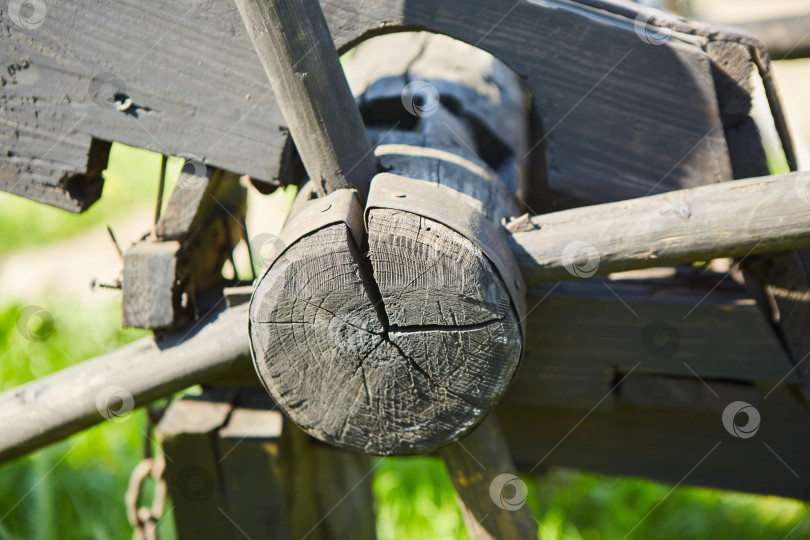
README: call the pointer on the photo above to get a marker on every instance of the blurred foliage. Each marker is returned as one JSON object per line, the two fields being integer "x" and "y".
{"x": 75, "y": 489}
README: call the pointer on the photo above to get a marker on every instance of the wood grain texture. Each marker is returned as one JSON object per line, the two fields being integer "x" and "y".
{"x": 235, "y": 466}
{"x": 491, "y": 495}
{"x": 299, "y": 57}
{"x": 51, "y": 408}
{"x": 582, "y": 335}
{"x": 402, "y": 342}
{"x": 212, "y": 99}
{"x": 684, "y": 446}
{"x": 734, "y": 219}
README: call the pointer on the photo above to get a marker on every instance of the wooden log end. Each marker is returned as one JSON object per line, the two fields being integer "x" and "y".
{"x": 399, "y": 350}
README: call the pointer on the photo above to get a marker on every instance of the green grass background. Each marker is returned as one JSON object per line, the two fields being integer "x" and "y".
{"x": 75, "y": 489}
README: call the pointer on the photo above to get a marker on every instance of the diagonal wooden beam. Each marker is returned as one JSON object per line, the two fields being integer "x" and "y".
{"x": 300, "y": 59}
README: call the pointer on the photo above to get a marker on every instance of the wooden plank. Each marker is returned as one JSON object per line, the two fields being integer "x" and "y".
{"x": 683, "y": 446}
{"x": 734, "y": 219}
{"x": 231, "y": 470}
{"x": 212, "y": 100}
{"x": 582, "y": 336}
{"x": 299, "y": 57}
{"x": 491, "y": 495}
{"x": 171, "y": 276}
{"x": 151, "y": 290}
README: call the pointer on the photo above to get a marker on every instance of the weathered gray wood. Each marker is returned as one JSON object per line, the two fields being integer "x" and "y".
{"x": 300, "y": 59}
{"x": 211, "y": 99}
{"x": 405, "y": 347}
{"x": 684, "y": 446}
{"x": 491, "y": 495}
{"x": 734, "y": 219}
{"x": 580, "y": 334}
{"x": 151, "y": 291}
{"x": 168, "y": 275}
{"x": 234, "y": 466}
{"x": 53, "y": 407}
{"x": 733, "y": 70}
{"x": 785, "y": 37}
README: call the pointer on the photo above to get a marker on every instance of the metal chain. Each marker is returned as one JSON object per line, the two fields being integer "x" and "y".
{"x": 144, "y": 519}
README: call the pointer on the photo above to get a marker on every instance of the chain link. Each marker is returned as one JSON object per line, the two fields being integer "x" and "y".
{"x": 143, "y": 518}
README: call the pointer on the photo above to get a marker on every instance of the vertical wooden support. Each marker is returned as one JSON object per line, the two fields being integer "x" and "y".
{"x": 235, "y": 468}
{"x": 491, "y": 495}
{"x": 300, "y": 59}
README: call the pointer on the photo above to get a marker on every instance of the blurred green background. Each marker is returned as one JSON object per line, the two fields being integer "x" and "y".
{"x": 75, "y": 489}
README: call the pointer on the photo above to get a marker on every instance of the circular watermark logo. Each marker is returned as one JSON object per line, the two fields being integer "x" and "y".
{"x": 661, "y": 339}
{"x": 35, "y": 323}
{"x": 751, "y": 426}
{"x": 109, "y": 91}
{"x": 115, "y": 403}
{"x": 580, "y": 259}
{"x": 266, "y": 247}
{"x": 420, "y": 98}
{"x": 508, "y": 492}
{"x": 194, "y": 172}
{"x": 647, "y": 31}
{"x": 27, "y": 14}
{"x": 195, "y": 484}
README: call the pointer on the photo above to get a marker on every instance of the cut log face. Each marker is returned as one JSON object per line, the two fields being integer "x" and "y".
{"x": 401, "y": 340}
{"x": 396, "y": 352}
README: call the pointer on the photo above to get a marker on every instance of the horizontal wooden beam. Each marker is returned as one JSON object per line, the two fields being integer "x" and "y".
{"x": 182, "y": 78}
{"x": 111, "y": 386}
{"x": 733, "y": 219}
{"x": 683, "y": 446}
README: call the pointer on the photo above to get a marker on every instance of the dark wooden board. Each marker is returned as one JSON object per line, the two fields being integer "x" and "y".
{"x": 610, "y": 102}
{"x": 687, "y": 446}
{"x": 582, "y": 336}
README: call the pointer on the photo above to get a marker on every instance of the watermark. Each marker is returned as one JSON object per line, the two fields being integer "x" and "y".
{"x": 580, "y": 259}
{"x": 194, "y": 172}
{"x": 195, "y": 484}
{"x": 661, "y": 339}
{"x": 109, "y": 92}
{"x": 35, "y": 323}
{"x": 751, "y": 426}
{"x": 508, "y": 492}
{"x": 27, "y": 14}
{"x": 420, "y": 98}
{"x": 647, "y": 31}
{"x": 115, "y": 403}
{"x": 266, "y": 247}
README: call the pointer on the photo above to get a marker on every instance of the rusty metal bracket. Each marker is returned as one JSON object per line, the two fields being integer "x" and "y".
{"x": 425, "y": 199}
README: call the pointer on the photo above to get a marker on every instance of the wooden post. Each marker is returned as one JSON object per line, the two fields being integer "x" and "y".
{"x": 491, "y": 495}
{"x": 299, "y": 57}
{"x": 235, "y": 467}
